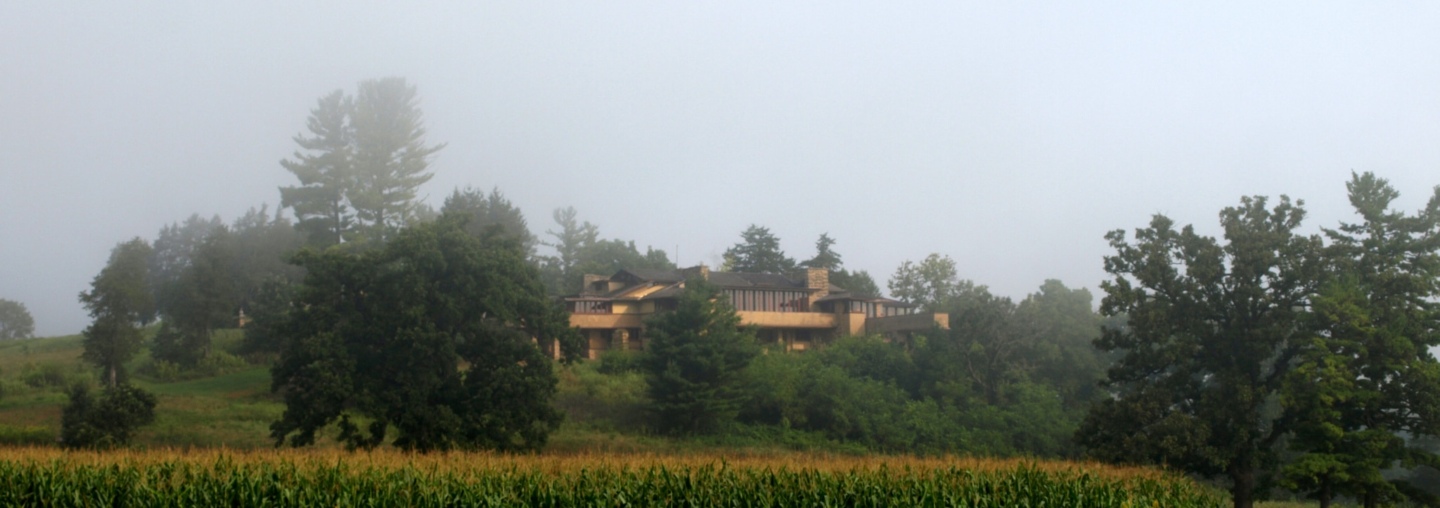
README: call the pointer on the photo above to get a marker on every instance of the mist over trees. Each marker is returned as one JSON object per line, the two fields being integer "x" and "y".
{"x": 15, "y": 320}
{"x": 1266, "y": 358}
{"x": 361, "y": 165}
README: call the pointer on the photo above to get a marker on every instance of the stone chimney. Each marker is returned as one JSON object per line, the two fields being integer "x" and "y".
{"x": 818, "y": 280}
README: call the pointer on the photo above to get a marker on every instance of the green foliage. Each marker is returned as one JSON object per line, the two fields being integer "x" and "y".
{"x": 226, "y": 481}
{"x": 1213, "y": 330}
{"x": 107, "y": 422}
{"x": 857, "y": 282}
{"x": 15, "y": 320}
{"x": 29, "y": 435}
{"x": 325, "y": 171}
{"x": 1369, "y": 375}
{"x": 825, "y": 256}
{"x": 434, "y": 334}
{"x": 490, "y": 211}
{"x": 759, "y": 252}
{"x": 693, "y": 361}
{"x": 931, "y": 283}
{"x": 47, "y": 375}
{"x": 174, "y": 249}
{"x": 119, "y": 301}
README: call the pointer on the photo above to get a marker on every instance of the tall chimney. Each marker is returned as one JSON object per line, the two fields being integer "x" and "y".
{"x": 817, "y": 279}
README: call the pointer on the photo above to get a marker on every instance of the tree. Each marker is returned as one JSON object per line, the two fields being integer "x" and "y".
{"x": 1059, "y": 326}
{"x": 490, "y": 211}
{"x": 172, "y": 255}
{"x": 930, "y": 283}
{"x": 207, "y": 299}
{"x": 15, "y": 320}
{"x": 1213, "y": 331}
{"x": 1370, "y": 376}
{"x": 693, "y": 360}
{"x": 362, "y": 167}
{"x": 119, "y": 301}
{"x": 325, "y": 171}
{"x": 108, "y": 422}
{"x": 758, "y": 252}
{"x": 579, "y": 250}
{"x": 438, "y": 334}
{"x": 391, "y": 158}
{"x": 858, "y": 282}
{"x": 825, "y": 257}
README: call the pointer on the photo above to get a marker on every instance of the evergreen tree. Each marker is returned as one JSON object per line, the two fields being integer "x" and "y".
{"x": 1370, "y": 376}
{"x": 693, "y": 360}
{"x": 391, "y": 159}
{"x": 490, "y": 211}
{"x": 326, "y": 173}
{"x": 758, "y": 252}
{"x": 825, "y": 257}
{"x": 119, "y": 302}
{"x": 362, "y": 166}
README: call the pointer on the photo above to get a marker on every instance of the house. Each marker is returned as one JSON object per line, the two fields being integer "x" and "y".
{"x": 795, "y": 313}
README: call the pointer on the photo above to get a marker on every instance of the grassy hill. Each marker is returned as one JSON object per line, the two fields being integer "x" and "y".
{"x": 232, "y": 408}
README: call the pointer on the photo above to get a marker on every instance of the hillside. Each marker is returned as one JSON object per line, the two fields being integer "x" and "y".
{"x": 232, "y": 408}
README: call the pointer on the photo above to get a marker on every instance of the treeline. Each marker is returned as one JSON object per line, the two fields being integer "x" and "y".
{"x": 1266, "y": 358}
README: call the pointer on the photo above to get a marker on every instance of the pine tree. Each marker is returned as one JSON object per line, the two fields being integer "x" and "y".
{"x": 693, "y": 360}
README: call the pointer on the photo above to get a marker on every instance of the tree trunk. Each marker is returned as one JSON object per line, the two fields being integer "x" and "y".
{"x": 112, "y": 375}
{"x": 1372, "y": 497}
{"x": 1324, "y": 492}
{"x": 1243, "y": 491}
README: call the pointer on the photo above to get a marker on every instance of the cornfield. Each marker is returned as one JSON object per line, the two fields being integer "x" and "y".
{"x": 48, "y": 477}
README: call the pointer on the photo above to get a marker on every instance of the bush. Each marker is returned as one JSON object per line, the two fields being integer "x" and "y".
{"x": 45, "y": 376}
{"x": 108, "y": 422}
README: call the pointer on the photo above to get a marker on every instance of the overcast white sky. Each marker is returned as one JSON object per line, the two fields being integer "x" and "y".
{"x": 1008, "y": 135}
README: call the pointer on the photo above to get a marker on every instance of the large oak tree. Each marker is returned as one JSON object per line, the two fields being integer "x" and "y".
{"x": 439, "y": 335}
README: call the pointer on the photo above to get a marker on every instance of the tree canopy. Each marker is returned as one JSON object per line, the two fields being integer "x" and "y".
{"x": 758, "y": 252}
{"x": 15, "y": 320}
{"x": 1213, "y": 330}
{"x": 440, "y": 335}
{"x": 119, "y": 301}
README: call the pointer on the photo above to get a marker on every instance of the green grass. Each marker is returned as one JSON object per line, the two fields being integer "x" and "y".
{"x": 233, "y": 409}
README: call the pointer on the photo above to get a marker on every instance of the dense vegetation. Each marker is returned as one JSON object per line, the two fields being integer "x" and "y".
{"x": 211, "y": 479}
{"x": 1269, "y": 360}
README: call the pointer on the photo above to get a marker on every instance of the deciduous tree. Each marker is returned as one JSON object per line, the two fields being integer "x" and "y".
{"x": 15, "y": 320}
{"x": 1214, "y": 328}
{"x": 439, "y": 335}
{"x": 119, "y": 301}
{"x": 930, "y": 283}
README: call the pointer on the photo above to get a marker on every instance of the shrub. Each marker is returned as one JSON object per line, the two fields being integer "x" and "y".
{"x": 107, "y": 422}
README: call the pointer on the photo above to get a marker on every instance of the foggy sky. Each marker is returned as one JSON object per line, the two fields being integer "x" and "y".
{"x": 1008, "y": 135}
